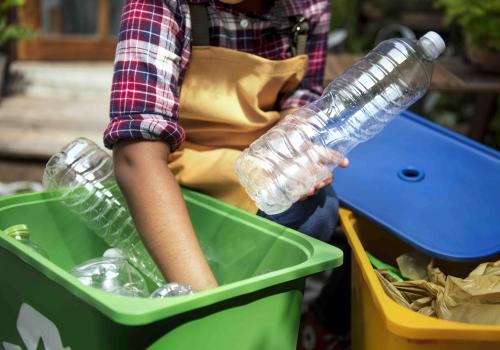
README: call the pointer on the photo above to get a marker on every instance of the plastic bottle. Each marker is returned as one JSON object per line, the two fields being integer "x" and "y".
{"x": 290, "y": 159}
{"x": 113, "y": 274}
{"x": 21, "y": 233}
{"x": 81, "y": 175}
{"x": 173, "y": 290}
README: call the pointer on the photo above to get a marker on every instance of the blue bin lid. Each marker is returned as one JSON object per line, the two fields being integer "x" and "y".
{"x": 429, "y": 186}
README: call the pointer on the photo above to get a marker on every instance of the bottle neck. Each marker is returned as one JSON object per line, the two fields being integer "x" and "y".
{"x": 21, "y": 238}
{"x": 18, "y": 232}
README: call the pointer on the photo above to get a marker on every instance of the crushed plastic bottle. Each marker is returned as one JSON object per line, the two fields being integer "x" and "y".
{"x": 113, "y": 274}
{"x": 21, "y": 233}
{"x": 81, "y": 175}
{"x": 291, "y": 158}
{"x": 173, "y": 290}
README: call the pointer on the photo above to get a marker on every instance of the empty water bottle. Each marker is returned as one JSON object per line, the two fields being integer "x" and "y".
{"x": 290, "y": 159}
{"x": 81, "y": 175}
{"x": 112, "y": 274}
{"x": 21, "y": 233}
{"x": 173, "y": 290}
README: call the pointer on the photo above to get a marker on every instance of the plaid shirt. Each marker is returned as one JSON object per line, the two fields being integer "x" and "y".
{"x": 154, "y": 47}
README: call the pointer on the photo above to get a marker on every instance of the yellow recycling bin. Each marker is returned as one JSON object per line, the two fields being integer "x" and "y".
{"x": 378, "y": 322}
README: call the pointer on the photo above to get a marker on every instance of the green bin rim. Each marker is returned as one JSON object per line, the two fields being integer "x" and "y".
{"x": 139, "y": 311}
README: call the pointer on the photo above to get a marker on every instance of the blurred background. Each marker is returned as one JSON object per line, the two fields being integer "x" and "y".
{"x": 56, "y": 64}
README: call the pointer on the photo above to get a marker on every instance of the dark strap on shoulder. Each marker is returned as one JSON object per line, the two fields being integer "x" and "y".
{"x": 299, "y": 33}
{"x": 199, "y": 25}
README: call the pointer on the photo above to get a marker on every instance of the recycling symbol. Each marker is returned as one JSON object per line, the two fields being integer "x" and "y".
{"x": 34, "y": 327}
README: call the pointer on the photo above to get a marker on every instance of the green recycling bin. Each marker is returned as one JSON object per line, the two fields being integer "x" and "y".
{"x": 261, "y": 267}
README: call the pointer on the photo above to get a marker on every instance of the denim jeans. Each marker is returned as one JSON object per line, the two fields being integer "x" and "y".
{"x": 317, "y": 216}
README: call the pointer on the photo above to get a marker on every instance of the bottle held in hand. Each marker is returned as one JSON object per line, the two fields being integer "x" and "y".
{"x": 287, "y": 162}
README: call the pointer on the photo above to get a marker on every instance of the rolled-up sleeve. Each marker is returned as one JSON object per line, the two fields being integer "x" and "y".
{"x": 311, "y": 86}
{"x": 151, "y": 57}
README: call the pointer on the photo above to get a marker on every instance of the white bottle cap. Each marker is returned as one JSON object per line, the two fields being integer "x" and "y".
{"x": 432, "y": 44}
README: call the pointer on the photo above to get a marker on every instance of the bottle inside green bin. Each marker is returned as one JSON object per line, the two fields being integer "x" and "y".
{"x": 21, "y": 233}
{"x": 113, "y": 274}
{"x": 81, "y": 177}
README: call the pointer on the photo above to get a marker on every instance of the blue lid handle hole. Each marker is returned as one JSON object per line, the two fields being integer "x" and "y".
{"x": 411, "y": 174}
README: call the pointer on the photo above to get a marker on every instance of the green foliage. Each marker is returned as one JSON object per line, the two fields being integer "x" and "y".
{"x": 480, "y": 20}
{"x": 391, "y": 7}
{"x": 10, "y": 31}
{"x": 456, "y": 111}
{"x": 345, "y": 16}
{"x": 8, "y": 4}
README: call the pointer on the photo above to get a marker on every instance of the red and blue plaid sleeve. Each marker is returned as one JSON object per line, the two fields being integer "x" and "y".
{"x": 311, "y": 87}
{"x": 151, "y": 57}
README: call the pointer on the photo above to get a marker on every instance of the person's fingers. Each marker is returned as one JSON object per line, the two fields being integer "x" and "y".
{"x": 329, "y": 156}
{"x": 307, "y": 195}
{"x": 344, "y": 163}
{"x": 325, "y": 182}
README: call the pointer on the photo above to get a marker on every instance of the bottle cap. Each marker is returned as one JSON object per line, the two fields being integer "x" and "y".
{"x": 433, "y": 44}
{"x": 20, "y": 230}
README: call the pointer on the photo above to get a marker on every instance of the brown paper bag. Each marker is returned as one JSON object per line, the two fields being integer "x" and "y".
{"x": 474, "y": 299}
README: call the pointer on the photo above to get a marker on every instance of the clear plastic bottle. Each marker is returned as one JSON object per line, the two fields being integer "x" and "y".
{"x": 81, "y": 175}
{"x": 173, "y": 290}
{"x": 113, "y": 274}
{"x": 285, "y": 163}
{"x": 21, "y": 233}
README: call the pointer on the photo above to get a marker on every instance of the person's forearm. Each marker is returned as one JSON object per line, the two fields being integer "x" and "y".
{"x": 157, "y": 206}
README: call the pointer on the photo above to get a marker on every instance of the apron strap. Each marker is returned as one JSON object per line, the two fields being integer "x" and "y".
{"x": 299, "y": 35}
{"x": 199, "y": 25}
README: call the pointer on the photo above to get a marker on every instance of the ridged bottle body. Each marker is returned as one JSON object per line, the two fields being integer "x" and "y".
{"x": 82, "y": 174}
{"x": 290, "y": 159}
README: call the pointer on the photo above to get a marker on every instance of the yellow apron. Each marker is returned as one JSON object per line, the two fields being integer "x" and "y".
{"x": 227, "y": 100}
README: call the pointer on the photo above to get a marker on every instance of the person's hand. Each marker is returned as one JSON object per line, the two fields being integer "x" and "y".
{"x": 327, "y": 156}
{"x": 326, "y": 181}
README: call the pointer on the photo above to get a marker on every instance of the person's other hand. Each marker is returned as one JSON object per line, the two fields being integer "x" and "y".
{"x": 326, "y": 181}
{"x": 327, "y": 156}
